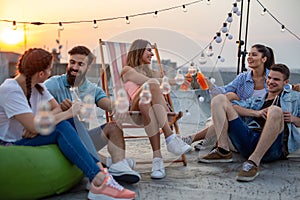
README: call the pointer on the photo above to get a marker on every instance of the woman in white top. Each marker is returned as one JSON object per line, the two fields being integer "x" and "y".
{"x": 18, "y": 106}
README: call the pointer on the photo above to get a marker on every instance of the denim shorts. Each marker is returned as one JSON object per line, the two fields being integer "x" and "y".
{"x": 245, "y": 140}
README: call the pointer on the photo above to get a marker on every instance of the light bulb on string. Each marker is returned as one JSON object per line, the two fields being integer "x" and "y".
{"x": 218, "y": 38}
{"x": 165, "y": 86}
{"x": 60, "y": 26}
{"x": 145, "y": 95}
{"x": 201, "y": 98}
{"x": 192, "y": 69}
{"x": 14, "y": 26}
{"x": 282, "y": 28}
{"x": 212, "y": 80}
{"x": 155, "y": 14}
{"x": 179, "y": 78}
{"x": 121, "y": 101}
{"x": 127, "y": 20}
{"x": 95, "y": 24}
{"x": 224, "y": 28}
{"x": 208, "y": 2}
{"x": 229, "y": 36}
{"x": 209, "y": 52}
{"x": 44, "y": 120}
{"x": 187, "y": 112}
{"x": 184, "y": 8}
{"x": 235, "y": 8}
{"x": 202, "y": 59}
{"x": 229, "y": 18}
{"x": 263, "y": 12}
{"x": 222, "y": 59}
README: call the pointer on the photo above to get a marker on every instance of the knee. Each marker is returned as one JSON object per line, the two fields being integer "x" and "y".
{"x": 232, "y": 96}
{"x": 112, "y": 128}
{"x": 154, "y": 85}
{"x": 275, "y": 113}
{"x": 220, "y": 99}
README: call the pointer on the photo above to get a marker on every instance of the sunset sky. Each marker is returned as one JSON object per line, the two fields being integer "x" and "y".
{"x": 178, "y": 34}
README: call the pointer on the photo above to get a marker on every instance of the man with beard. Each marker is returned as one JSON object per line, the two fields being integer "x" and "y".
{"x": 80, "y": 61}
{"x": 269, "y": 132}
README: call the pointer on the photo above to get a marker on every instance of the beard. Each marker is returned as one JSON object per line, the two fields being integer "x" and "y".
{"x": 75, "y": 80}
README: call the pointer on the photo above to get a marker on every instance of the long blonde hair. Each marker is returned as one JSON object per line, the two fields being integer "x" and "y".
{"x": 135, "y": 55}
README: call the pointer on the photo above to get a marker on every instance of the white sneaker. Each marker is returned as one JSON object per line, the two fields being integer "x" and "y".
{"x": 187, "y": 140}
{"x": 158, "y": 168}
{"x": 122, "y": 172}
{"x": 130, "y": 162}
{"x": 204, "y": 144}
{"x": 88, "y": 186}
{"x": 177, "y": 146}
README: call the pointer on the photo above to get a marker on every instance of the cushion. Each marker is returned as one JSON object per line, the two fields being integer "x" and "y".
{"x": 34, "y": 172}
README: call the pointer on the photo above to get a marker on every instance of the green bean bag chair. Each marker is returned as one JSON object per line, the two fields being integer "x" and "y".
{"x": 35, "y": 172}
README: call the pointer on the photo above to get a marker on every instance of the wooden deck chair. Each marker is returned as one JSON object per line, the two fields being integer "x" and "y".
{"x": 117, "y": 53}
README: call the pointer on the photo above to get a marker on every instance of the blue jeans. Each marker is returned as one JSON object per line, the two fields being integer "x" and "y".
{"x": 94, "y": 139}
{"x": 245, "y": 141}
{"x": 65, "y": 136}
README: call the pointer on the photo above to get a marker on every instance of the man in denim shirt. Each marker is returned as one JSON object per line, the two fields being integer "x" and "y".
{"x": 269, "y": 131}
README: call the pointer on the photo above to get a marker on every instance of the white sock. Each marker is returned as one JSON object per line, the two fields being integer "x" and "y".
{"x": 170, "y": 137}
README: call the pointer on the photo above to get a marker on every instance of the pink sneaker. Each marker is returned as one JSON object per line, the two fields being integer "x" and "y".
{"x": 110, "y": 189}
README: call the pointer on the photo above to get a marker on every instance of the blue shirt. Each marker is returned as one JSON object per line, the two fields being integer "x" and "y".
{"x": 289, "y": 101}
{"x": 60, "y": 89}
{"x": 242, "y": 85}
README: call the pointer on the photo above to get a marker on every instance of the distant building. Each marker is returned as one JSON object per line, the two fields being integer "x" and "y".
{"x": 8, "y": 62}
{"x": 168, "y": 66}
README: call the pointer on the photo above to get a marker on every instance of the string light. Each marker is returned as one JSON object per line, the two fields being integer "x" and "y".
{"x": 218, "y": 38}
{"x": 224, "y": 28}
{"x": 263, "y": 12}
{"x": 155, "y": 14}
{"x": 229, "y": 18}
{"x": 222, "y": 59}
{"x": 285, "y": 28}
{"x": 209, "y": 51}
{"x": 95, "y": 24}
{"x": 208, "y": 2}
{"x": 14, "y": 26}
{"x": 229, "y": 36}
{"x": 202, "y": 59}
{"x": 127, "y": 20}
{"x": 184, "y": 8}
{"x": 235, "y": 8}
{"x": 60, "y": 26}
{"x": 282, "y": 28}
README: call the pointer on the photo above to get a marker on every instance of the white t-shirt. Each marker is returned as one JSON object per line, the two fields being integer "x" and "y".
{"x": 259, "y": 93}
{"x": 13, "y": 102}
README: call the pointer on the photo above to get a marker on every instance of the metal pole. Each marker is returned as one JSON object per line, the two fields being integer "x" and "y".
{"x": 246, "y": 37}
{"x": 240, "y": 42}
{"x": 25, "y": 37}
